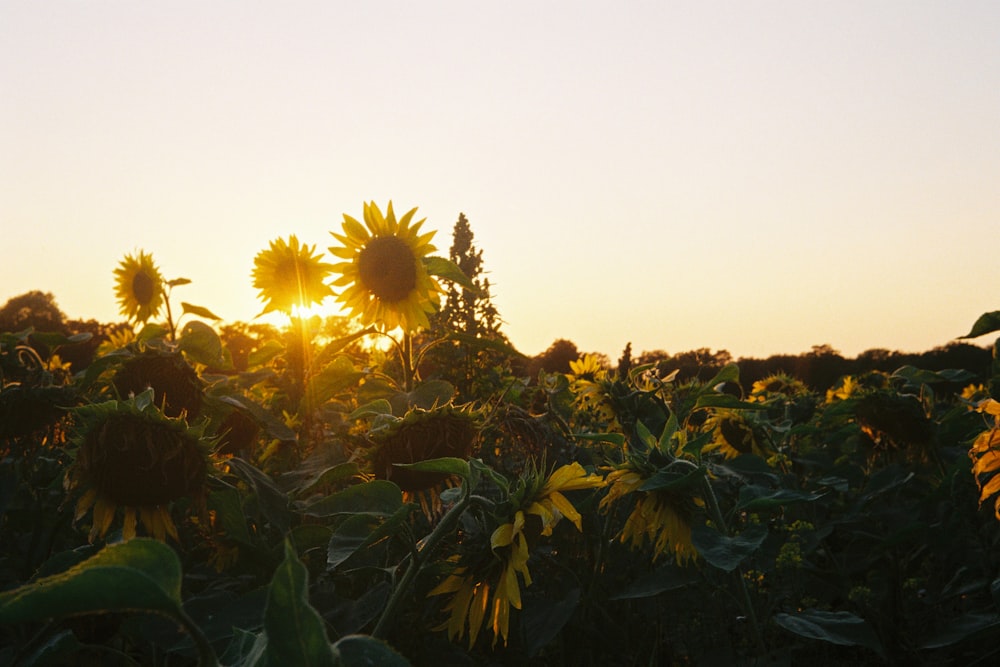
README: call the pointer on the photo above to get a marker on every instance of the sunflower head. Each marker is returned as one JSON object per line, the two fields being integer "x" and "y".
{"x": 132, "y": 456}
{"x": 445, "y": 431}
{"x": 177, "y": 388}
{"x": 288, "y": 275}
{"x": 733, "y": 434}
{"x": 385, "y": 279}
{"x": 139, "y": 287}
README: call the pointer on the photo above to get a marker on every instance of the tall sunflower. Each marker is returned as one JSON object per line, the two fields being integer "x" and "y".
{"x": 133, "y": 457}
{"x": 139, "y": 287}
{"x": 387, "y": 282}
{"x": 288, "y": 274}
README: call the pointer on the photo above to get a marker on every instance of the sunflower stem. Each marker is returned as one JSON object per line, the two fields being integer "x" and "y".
{"x": 420, "y": 559}
{"x": 715, "y": 512}
{"x": 407, "y": 355}
{"x": 206, "y": 654}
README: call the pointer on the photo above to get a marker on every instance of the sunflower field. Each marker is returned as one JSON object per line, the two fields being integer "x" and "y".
{"x": 393, "y": 488}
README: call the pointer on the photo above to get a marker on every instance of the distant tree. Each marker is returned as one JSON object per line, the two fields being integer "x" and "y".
{"x": 555, "y": 359}
{"x": 32, "y": 309}
{"x": 474, "y": 355}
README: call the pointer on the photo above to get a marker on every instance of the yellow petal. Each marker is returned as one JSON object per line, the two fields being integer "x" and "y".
{"x": 477, "y": 611}
{"x": 128, "y": 528}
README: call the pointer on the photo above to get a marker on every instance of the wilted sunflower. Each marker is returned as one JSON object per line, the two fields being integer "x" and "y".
{"x": 132, "y": 456}
{"x": 177, "y": 388}
{"x": 288, "y": 275}
{"x": 485, "y": 594}
{"x": 445, "y": 431}
{"x": 386, "y": 281}
{"x": 660, "y": 517}
{"x": 139, "y": 287}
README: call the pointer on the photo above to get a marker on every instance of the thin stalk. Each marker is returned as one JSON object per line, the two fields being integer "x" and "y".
{"x": 420, "y": 559}
{"x": 206, "y": 654}
{"x": 715, "y": 512}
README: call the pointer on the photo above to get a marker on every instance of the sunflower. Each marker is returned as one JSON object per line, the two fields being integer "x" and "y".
{"x": 288, "y": 275}
{"x": 386, "y": 280}
{"x": 591, "y": 385}
{"x": 777, "y": 384}
{"x": 660, "y": 517}
{"x": 139, "y": 287}
{"x": 445, "y": 431}
{"x": 177, "y": 388}
{"x": 733, "y": 434}
{"x": 132, "y": 456}
{"x": 486, "y": 594}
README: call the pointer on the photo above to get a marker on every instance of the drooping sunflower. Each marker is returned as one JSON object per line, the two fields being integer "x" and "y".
{"x": 733, "y": 434}
{"x": 659, "y": 517}
{"x": 387, "y": 282}
{"x": 132, "y": 456}
{"x": 139, "y": 287}
{"x": 444, "y": 431}
{"x": 288, "y": 274}
{"x": 177, "y": 388}
{"x": 484, "y": 591}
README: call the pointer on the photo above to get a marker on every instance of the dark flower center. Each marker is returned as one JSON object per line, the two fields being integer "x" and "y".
{"x": 739, "y": 436}
{"x": 388, "y": 268}
{"x": 143, "y": 287}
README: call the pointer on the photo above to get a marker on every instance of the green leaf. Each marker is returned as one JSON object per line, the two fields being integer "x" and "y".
{"x": 542, "y": 619}
{"x": 449, "y": 270}
{"x": 727, "y": 401}
{"x": 178, "y": 281}
{"x": 333, "y": 378}
{"x": 753, "y": 497}
{"x": 263, "y": 354}
{"x": 376, "y": 408}
{"x": 672, "y": 480}
{"x": 55, "y": 339}
{"x": 364, "y": 651}
{"x": 228, "y": 507}
{"x": 962, "y": 627}
{"x": 274, "y": 427}
{"x": 295, "y": 631}
{"x": 426, "y": 395}
{"x": 987, "y": 323}
{"x": 198, "y": 311}
{"x": 150, "y": 332}
{"x": 729, "y": 373}
{"x": 200, "y": 342}
{"x": 617, "y": 439}
{"x": 660, "y": 580}
{"x": 330, "y": 475}
{"x": 246, "y": 649}
{"x": 379, "y": 497}
{"x": 836, "y": 627}
{"x": 363, "y": 530}
{"x": 725, "y": 552}
{"x": 141, "y": 574}
{"x": 448, "y": 465}
{"x": 272, "y": 501}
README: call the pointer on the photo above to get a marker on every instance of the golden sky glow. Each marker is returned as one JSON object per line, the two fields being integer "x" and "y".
{"x": 760, "y": 177}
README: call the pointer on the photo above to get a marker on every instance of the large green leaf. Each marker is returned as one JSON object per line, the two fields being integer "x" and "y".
{"x": 141, "y": 574}
{"x": 333, "y": 378}
{"x": 987, "y": 323}
{"x": 542, "y": 619}
{"x": 753, "y": 497}
{"x": 365, "y": 651}
{"x": 378, "y": 497}
{"x": 724, "y": 552}
{"x": 271, "y": 424}
{"x": 295, "y": 631}
{"x": 837, "y": 627}
{"x": 673, "y": 480}
{"x": 200, "y": 342}
{"x": 362, "y": 530}
{"x": 449, "y": 270}
{"x": 961, "y": 628}
{"x": 272, "y": 501}
{"x": 198, "y": 311}
{"x": 448, "y": 465}
{"x": 666, "y": 578}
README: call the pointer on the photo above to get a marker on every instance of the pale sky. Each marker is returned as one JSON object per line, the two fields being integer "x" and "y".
{"x": 753, "y": 176}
